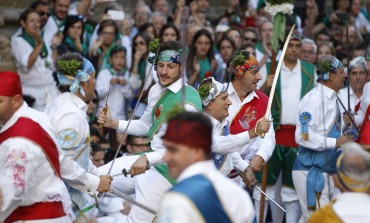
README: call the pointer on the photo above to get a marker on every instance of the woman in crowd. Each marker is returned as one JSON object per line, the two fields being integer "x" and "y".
{"x": 201, "y": 59}
{"x": 73, "y": 35}
{"x": 226, "y": 47}
{"x": 169, "y": 32}
{"x": 34, "y": 63}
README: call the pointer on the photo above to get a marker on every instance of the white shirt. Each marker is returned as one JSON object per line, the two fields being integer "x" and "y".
{"x": 257, "y": 146}
{"x": 117, "y": 95}
{"x": 353, "y": 207}
{"x": 51, "y": 28}
{"x": 343, "y": 96}
{"x": 229, "y": 145}
{"x": 290, "y": 93}
{"x": 25, "y": 161}
{"x": 320, "y": 102}
{"x": 365, "y": 102}
{"x": 141, "y": 127}
{"x": 236, "y": 202}
{"x": 362, "y": 22}
{"x": 68, "y": 112}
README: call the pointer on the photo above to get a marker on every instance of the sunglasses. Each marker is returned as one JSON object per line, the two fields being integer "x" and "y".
{"x": 250, "y": 39}
{"x": 44, "y": 13}
{"x": 141, "y": 145}
{"x": 95, "y": 101}
{"x": 139, "y": 43}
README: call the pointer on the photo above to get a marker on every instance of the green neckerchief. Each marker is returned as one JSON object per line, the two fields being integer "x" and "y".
{"x": 71, "y": 44}
{"x": 32, "y": 42}
{"x": 60, "y": 23}
{"x": 116, "y": 73}
{"x": 205, "y": 66}
{"x": 141, "y": 69}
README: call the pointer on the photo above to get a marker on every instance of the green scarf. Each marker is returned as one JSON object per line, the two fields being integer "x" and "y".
{"x": 205, "y": 66}
{"x": 32, "y": 42}
{"x": 71, "y": 44}
{"x": 60, "y": 23}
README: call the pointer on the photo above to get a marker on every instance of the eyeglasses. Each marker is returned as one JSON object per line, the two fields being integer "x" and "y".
{"x": 139, "y": 43}
{"x": 141, "y": 145}
{"x": 44, "y": 13}
{"x": 250, "y": 39}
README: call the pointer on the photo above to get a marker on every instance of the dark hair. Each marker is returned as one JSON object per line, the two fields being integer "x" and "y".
{"x": 117, "y": 49}
{"x": 95, "y": 147}
{"x": 35, "y": 4}
{"x": 147, "y": 41}
{"x": 335, "y": 5}
{"x": 143, "y": 28}
{"x": 25, "y": 13}
{"x": 192, "y": 51}
{"x": 169, "y": 26}
{"x": 70, "y": 21}
{"x": 106, "y": 23}
{"x": 130, "y": 139}
{"x": 226, "y": 38}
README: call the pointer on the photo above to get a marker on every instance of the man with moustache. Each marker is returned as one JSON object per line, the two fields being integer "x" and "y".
{"x": 247, "y": 109}
{"x": 318, "y": 134}
{"x": 151, "y": 179}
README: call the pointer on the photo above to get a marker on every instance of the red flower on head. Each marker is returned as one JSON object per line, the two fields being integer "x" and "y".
{"x": 208, "y": 74}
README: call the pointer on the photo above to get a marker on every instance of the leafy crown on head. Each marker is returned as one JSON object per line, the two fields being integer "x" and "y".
{"x": 153, "y": 45}
{"x": 204, "y": 91}
{"x": 69, "y": 67}
{"x": 324, "y": 66}
{"x": 238, "y": 60}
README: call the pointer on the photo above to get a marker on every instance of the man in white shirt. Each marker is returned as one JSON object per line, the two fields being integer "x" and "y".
{"x": 353, "y": 204}
{"x": 162, "y": 99}
{"x": 201, "y": 194}
{"x": 32, "y": 188}
{"x": 68, "y": 116}
{"x": 296, "y": 79}
{"x": 357, "y": 75}
{"x": 225, "y": 147}
{"x": 318, "y": 134}
{"x": 248, "y": 106}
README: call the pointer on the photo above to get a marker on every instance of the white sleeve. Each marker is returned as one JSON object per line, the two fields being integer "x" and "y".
{"x": 126, "y": 89}
{"x": 316, "y": 141}
{"x": 71, "y": 171}
{"x": 229, "y": 143}
{"x": 238, "y": 161}
{"x": 267, "y": 144}
{"x": 20, "y": 52}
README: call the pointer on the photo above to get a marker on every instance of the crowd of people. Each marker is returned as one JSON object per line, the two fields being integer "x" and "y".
{"x": 168, "y": 106}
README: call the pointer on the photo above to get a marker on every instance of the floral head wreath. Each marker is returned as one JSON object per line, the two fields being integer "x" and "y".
{"x": 326, "y": 65}
{"x": 241, "y": 64}
{"x": 208, "y": 92}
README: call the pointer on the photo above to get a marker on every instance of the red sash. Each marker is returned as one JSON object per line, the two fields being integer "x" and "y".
{"x": 27, "y": 128}
{"x": 364, "y": 137}
{"x": 37, "y": 211}
{"x": 247, "y": 118}
{"x": 285, "y": 136}
{"x": 249, "y": 114}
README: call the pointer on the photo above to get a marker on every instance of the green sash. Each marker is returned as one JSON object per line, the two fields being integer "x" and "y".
{"x": 71, "y": 44}
{"x": 308, "y": 71}
{"x": 168, "y": 102}
{"x": 29, "y": 39}
{"x": 164, "y": 107}
{"x": 60, "y": 23}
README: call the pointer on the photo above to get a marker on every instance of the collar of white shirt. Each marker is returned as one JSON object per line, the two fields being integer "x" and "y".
{"x": 328, "y": 92}
{"x": 232, "y": 93}
{"x": 176, "y": 86}
{"x": 196, "y": 168}
{"x": 216, "y": 123}
{"x": 79, "y": 102}
{"x": 296, "y": 69}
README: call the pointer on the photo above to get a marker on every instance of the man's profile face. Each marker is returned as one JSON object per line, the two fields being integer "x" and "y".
{"x": 220, "y": 106}
{"x": 168, "y": 73}
{"x": 250, "y": 79}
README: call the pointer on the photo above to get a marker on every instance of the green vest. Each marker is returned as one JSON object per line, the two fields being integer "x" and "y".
{"x": 307, "y": 71}
{"x": 162, "y": 111}
{"x": 168, "y": 102}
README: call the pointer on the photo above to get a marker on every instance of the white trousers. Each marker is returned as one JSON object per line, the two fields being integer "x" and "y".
{"x": 149, "y": 188}
{"x": 300, "y": 183}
